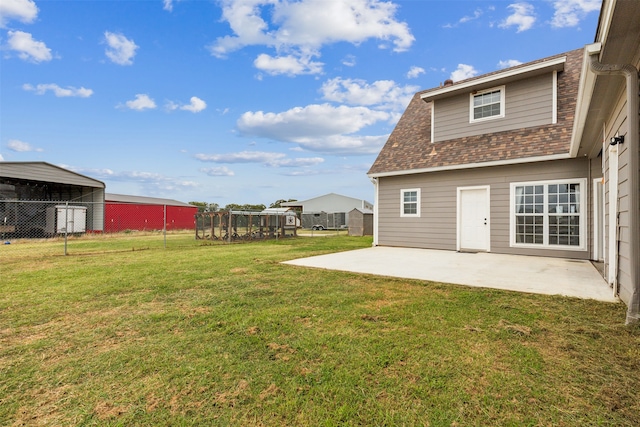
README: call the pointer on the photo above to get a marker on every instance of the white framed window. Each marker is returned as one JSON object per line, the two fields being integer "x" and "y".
{"x": 486, "y": 104}
{"x": 410, "y": 202}
{"x": 549, "y": 214}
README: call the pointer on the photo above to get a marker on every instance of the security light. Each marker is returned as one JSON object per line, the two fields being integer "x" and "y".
{"x": 615, "y": 140}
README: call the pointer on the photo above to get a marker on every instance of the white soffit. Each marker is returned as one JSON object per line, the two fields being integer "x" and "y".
{"x": 519, "y": 160}
{"x": 585, "y": 92}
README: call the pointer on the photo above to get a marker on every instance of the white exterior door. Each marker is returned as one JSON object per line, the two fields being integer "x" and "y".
{"x": 473, "y": 219}
{"x": 598, "y": 219}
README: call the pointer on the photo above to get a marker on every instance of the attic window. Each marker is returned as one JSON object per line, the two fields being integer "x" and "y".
{"x": 486, "y": 104}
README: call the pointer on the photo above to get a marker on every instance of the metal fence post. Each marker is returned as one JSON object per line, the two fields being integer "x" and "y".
{"x": 66, "y": 225}
{"x": 165, "y": 226}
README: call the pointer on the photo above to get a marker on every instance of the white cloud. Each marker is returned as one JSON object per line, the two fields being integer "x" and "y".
{"x": 468, "y": 18}
{"x": 141, "y": 102}
{"x": 569, "y": 12}
{"x": 349, "y": 61}
{"x": 298, "y": 162}
{"x": 508, "y": 63}
{"x": 21, "y": 147}
{"x": 385, "y": 94}
{"x": 263, "y": 157}
{"x": 289, "y": 65}
{"x": 195, "y": 106}
{"x": 476, "y": 14}
{"x": 241, "y": 157}
{"x": 58, "y": 91}
{"x": 317, "y": 22}
{"x": 346, "y": 144}
{"x": 28, "y": 48}
{"x": 1, "y": 158}
{"x": 152, "y": 181}
{"x": 316, "y": 120}
{"x": 414, "y": 72}
{"x": 120, "y": 49}
{"x": 322, "y": 128}
{"x": 301, "y": 28}
{"x": 168, "y": 4}
{"x": 219, "y": 171}
{"x": 523, "y": 17}
{"x": 339, "y": 170}
{"x": 24, "y": 11}
{"x": 463, "y": 72}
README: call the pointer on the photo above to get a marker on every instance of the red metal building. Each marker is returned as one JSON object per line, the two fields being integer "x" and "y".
{"x": 146, "y": 213}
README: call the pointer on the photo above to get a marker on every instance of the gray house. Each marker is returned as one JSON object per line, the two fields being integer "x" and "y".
{"x": 606, "y": 131}
{"x": 537, "y": 159}
{"x": 484, "y": 165}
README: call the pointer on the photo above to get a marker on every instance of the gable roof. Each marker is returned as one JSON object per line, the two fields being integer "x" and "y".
{"x": 46, "y": 172}
{"x": 123, "y": 198}
{"x": 362, "y": 211}
{"x": 616, "y": 42}
{"x": 328, "y": 196}
{"x": 409, "y": 149}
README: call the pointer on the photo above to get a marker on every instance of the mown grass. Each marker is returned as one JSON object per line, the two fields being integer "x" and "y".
{"x": 226, "y": 335}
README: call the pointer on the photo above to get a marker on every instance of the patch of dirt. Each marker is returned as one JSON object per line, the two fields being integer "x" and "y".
{"x": 272, "y": 390}
{"x": 304, "y": 371}
{"x": 305, "y": 320}
{"x": 230, "y": 398}
{"x": 371, "y": 318}
{"x": 254, "y": 330}
{"x": 153, "y": 402}
{"x": 514, "y": 328}
{"x": 191, "y": 312}
{"x": 106, "y": 410}
{"x": 282, "y": 351}
{"x": 45, "y": 407}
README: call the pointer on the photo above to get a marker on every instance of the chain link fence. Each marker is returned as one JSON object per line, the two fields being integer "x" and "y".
{"x": 34, "y": 228}
{"x": 31, "y": 227}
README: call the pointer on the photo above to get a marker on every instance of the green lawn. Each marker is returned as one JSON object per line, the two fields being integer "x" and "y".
{"x": 226, "y": 335}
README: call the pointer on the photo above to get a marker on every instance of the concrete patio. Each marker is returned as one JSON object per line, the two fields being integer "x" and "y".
{"x": 538, "y": 275}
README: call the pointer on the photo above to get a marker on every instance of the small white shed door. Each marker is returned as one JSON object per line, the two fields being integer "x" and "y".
{"x": 473, "y": 215}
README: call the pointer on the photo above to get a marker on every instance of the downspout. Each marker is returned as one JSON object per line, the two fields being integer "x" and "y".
{"x": 376, "y": 201}
{"x": 631, "y": 74}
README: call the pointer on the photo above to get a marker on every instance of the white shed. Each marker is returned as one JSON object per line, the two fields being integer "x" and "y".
{"x": 327, "y": 211}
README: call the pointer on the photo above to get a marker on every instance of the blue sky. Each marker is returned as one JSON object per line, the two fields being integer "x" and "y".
{"x": 246, "y": 101}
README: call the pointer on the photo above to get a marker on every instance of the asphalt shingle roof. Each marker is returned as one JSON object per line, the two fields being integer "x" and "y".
{"x": 409, "y": 148}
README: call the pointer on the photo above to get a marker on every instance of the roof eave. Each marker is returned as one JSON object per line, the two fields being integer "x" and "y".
{"x": 585, "y": 93}
{"x": 555, "y": 64}
{"x": 472, "y": 165}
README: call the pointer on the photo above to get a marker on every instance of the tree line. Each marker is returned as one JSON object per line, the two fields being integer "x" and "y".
{"x": 215, "y": 207}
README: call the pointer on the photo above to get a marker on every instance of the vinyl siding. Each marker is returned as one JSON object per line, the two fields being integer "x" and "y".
{"x": 617, "y": 123}
{"x": 527, "y": 103}
{"x": 436, "y": 227}
{"x": 595, "y": 172}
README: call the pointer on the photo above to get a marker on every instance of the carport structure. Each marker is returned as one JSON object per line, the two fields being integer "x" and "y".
{"x": 27, "y": 189}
